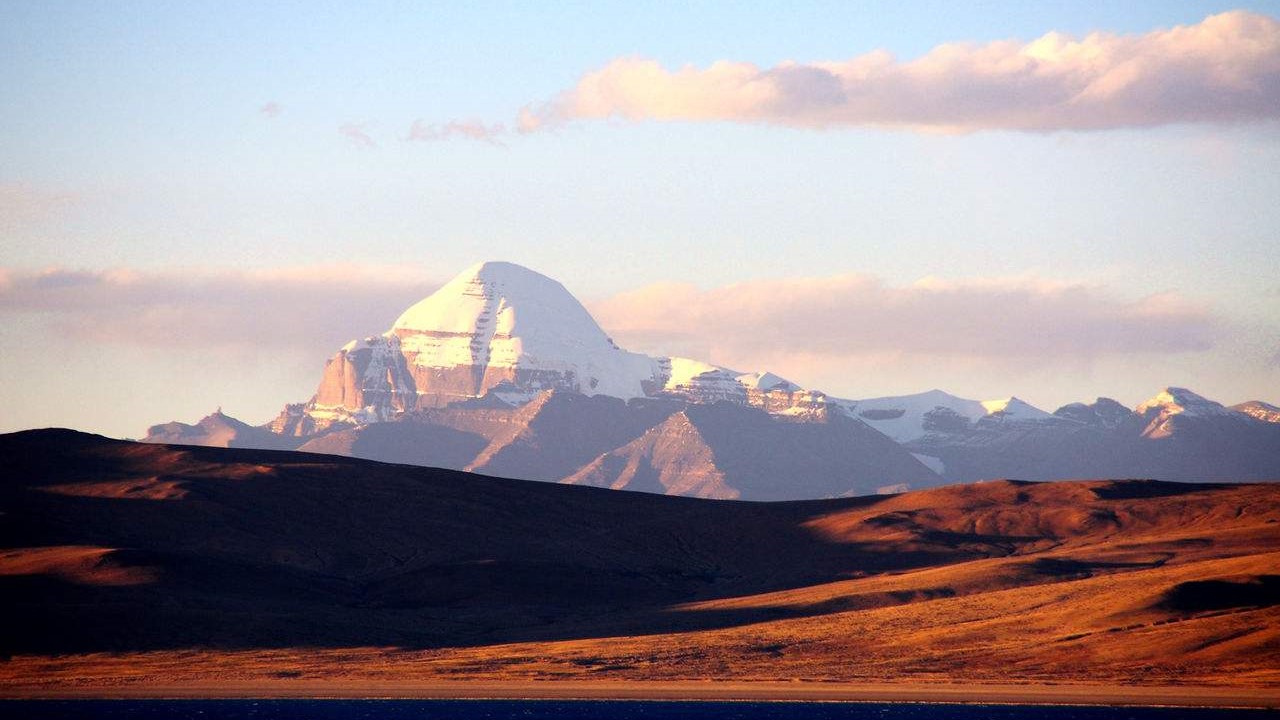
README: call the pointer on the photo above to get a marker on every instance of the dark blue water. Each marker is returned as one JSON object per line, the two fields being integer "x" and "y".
{"x": 578, "y": 710}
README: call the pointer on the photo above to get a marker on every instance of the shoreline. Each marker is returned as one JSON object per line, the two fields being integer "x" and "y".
{"x": 985, "y": 694}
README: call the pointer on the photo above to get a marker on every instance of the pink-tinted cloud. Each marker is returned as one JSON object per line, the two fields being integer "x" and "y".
{"x": 356, "y": 134}
{"x": 842, "y": 318}
{"x": 271, "y": 110}
{"x": 1223, "y": 69}
{"x": 422, "y": 131}
{"x": 811, "y": 327}
{"x": 315, "y": 309}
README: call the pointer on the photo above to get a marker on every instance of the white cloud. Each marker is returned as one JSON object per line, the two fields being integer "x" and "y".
{"x": 315, "y": 308}
{"x": 1223, "y": 69}
{"x": 858, "y": 317}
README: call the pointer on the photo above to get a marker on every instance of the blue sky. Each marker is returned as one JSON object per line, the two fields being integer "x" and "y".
{"x": 133, "y": 141}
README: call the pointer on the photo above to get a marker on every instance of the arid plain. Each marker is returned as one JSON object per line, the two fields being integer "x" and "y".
{"x": 134, "y": 569}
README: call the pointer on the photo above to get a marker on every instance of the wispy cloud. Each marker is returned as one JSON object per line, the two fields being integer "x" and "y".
{"x": 356, "y": 134}
{"x": 312, "y": 308}
{"x": 1223, "y": 69}
{"x": 271, "y": 110}
{"x": 1019, "y": 320}
{"x": 422, "y": 131}
{"x": 814, "y": 327}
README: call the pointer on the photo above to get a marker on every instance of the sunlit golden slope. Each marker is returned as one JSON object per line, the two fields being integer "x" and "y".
{"x": 129, "y": 565}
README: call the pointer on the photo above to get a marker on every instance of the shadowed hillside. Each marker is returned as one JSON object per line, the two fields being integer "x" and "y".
{"x": 154, "y": 552}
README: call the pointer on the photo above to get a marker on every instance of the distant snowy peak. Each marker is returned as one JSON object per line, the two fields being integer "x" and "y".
{"x": 1181, "y": 401}
{"x": 910, "y": 417}
{"x": 700, "y": 382}
{"x": 1165, "y": 412}
{"x": 1258, "y": 410}
{"x": 766, "y": 381}
{"x": 1013, "y": 408}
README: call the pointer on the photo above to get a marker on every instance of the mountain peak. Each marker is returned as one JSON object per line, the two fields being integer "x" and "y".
{"x": 1181, "y": 401}
{"x": 1103, "y": 412}
{"x": 492, "y": 325}
{"x": 1014, "y": 408}
{"x": 478, "y": 294}
{"x": 1259, "y": 410}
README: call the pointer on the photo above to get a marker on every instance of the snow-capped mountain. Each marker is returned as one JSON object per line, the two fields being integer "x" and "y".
{"x": 496, "y": 327}
{"x": 909, "y": 418}
{"x": 1173, "y": 405}
{"x": 503, "y": 371}
{"x": 1259, "y": 410}
{"x": 506, "y": 333}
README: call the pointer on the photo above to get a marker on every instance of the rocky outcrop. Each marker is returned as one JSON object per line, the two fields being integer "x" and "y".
{"x": 727, "y": 451}
{"x": 558, "y": 432}
{"x": 672, "y": 458}
{"x": 366, "y": 381}
{"x": 1102, "y": 413}
{"x": 220, "y": 430}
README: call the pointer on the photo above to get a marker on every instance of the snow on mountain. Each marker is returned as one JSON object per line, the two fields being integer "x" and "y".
{"x": 1258, "y": 410}
{"x": 1012, "y": 408}
{"x": 515, "y": 322}
{"x": 1181, "y": 401}
{"x": 909, "y": 417}
{"x": 766, "y": 381}
{"x": 1163, "y": 411}
{"x": 688, "y": 377}
{"x": 504, "y": 333}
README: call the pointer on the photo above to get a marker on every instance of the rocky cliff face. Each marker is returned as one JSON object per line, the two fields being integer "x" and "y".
{"x": 1102, "y": 413}
{"x": 728, "y": 452}
{"x": 366, "y": 381}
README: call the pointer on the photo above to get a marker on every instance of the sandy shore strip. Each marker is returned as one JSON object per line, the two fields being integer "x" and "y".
{"x": 1065, "y": 694}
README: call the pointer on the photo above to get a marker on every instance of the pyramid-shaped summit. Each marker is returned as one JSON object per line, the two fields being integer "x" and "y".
{"x": 507, "y": 323}
{"x": 497, "y": 327}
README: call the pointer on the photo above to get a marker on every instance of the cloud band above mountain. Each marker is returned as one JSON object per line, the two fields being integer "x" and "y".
{"x": 859, "y": 315}
{"x": 319, "y": 308}
{"x": 1223, "y": 69}
{"x": 312, "y": 309}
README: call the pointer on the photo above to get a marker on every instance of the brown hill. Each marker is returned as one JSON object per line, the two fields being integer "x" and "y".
{"x": 151, "y": 564}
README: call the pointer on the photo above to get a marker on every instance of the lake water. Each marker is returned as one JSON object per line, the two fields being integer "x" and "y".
{"x": 579, "y": 710}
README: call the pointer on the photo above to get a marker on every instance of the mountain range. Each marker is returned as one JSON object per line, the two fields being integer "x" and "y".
{"x": 503, "y": 371}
